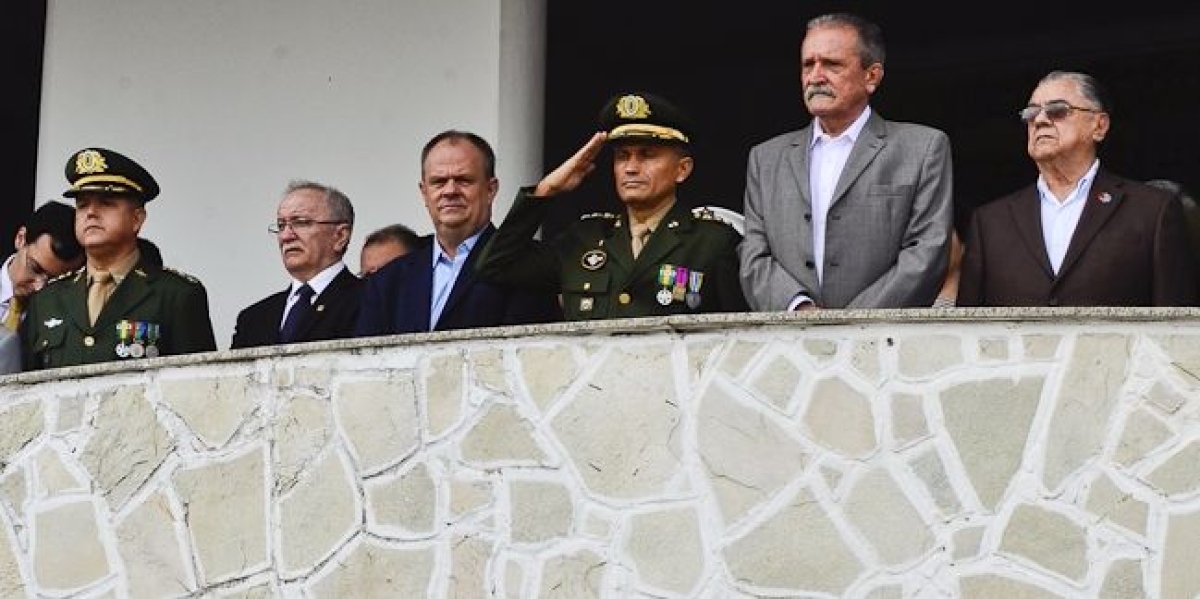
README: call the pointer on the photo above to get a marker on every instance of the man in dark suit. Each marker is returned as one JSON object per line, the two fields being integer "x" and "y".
{"x": 312, "y": 227}
{"x": 1080, "y": 235}
{"x": 434, "y": 287}
{"x": 658, "y": 257}
{"x": 852, "y": 211}
{"x": 123, "y": 304}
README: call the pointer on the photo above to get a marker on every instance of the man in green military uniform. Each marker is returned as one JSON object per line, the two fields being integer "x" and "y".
{"x": 657, "y": 258}
{"x": 122, "y": 304}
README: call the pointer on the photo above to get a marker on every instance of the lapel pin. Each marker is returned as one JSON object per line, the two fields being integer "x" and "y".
{"x": 1104, "y": 197}
{"x": 321, "y": 308}
{"x": 53, "y": 322}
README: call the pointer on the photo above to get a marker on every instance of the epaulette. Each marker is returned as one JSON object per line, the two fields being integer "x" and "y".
{"x": 184, "y": 275}
{"x": 603, "y": 215}
{"x": 706, "y": 213}
{"x": 69, "y": 274}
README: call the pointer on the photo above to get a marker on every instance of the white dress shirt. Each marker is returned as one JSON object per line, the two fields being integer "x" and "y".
{"x": 1060, "y": 217}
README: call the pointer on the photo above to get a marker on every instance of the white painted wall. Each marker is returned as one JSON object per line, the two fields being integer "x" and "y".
{"x": 225, "y": 101}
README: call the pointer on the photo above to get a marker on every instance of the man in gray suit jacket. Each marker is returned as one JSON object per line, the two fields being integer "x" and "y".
{"x": 852, "y": 211}
{"x": 10, "y": 352}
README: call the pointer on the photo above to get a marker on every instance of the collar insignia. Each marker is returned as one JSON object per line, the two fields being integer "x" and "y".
{"x": 53, "y": 322}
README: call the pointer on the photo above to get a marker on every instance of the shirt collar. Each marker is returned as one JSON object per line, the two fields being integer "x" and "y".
{"x": 6, "y": 284}
{"x": 1084, "y": 184}
{"x": 122, "y": 268}
{"x": 851, "y": 132}
{"x": 321, "y": 281}
{"x": 463, "y": 249}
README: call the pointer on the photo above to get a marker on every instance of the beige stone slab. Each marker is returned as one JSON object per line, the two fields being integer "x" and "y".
{"x": 20, "y": 424}
{"x": 469, "y": 559}
{"x": 318, "y": 516}
{"x": 883, "y": 515}
{"x": 922, "y": 356}
{"x": 12, "y": 584}
{"x": 1048, "y": 539}
{"x": 1178, "y": 475}
{"x": 1089, "y": 391}
{"x": 54, "y": 477}
{"x": 488, "y": 370}
{"x": 444, "y": 376}
{"x": 1123, "y": 580}
{"x": 821, "y": 350}
{"x": 908, "y": 419}
{"x": 747, "y": 455}
{"x": 865, "y": 359}
{"x": 989, "y": 422}
{"x": 1142, "y": 434}
{"x": 1180, "y": 576}
{"x": 620, "y": 430}
{"x": 547, "y": 372}
{"x": 1040, "y": 346}
{"x": 301, "y": 430}
{"x": 213, "y": 408}
{"x": 770, "y": 556}
{"x": 150, "y": 548}
{"x": 739, "y": 355}
{"x": 378, "y": 419}
{"x": 994, "y": 586}
{"x": 407, "y": 501}
{"x": 127, "y": 446}
{"x": 67, "y": 551}
{"x": 468, "y": 495}
{"x": 372, "y": 569}
{"x": 540, "y": 511}
{"x": 1108, "y": 502}
{"x": 839, "y": 416}
{"x": 225, "y": 502}
{"x": 776, "y": 382}
{"x": 574, "y": 576}
{"x": 503, "y": 437}
{"x": 666, "y": 549}
{"x": 929, "y": 468}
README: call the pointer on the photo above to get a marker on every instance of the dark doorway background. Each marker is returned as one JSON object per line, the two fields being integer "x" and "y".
{"x": 23, "y": 31}
{"x": 964, "y": 67}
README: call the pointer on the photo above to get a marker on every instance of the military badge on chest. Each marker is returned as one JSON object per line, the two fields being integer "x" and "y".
{"x": 679, "y": 284}
{"x": 137, "y": 339}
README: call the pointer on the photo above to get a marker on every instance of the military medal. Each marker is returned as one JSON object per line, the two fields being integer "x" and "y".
{"x": 593, "y": 259}
{"x": 695, "y": 280}
{"x": 137, "y": 349}
{"x": 123, "y": 330}
{"x": 681, "y": 281}
{"x": 666, "y": 278}
{"x": 152, "y": 341}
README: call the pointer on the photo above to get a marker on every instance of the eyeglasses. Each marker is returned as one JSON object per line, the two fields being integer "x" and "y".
{"x": 39, "y": 273}
{"x": 299, "y": 225}
{"x": 1056, "y": 110}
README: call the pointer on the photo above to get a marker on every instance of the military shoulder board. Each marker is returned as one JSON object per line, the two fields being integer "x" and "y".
{"x": 599, "y": 215}
{"x": 184, "y": 275}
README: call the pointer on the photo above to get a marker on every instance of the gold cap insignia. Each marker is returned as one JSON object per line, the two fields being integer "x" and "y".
{"x": 632, "y": 107}
{"x": 90, "y": 161}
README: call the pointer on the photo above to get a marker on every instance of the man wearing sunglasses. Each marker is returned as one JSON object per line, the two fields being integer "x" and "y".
{"x": 1080, "y": 235}
{"x": 45, "y": 248}
{"x": 312, "y": 227}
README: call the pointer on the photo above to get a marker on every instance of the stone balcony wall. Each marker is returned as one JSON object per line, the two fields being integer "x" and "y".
{"x": 960, "y": 453}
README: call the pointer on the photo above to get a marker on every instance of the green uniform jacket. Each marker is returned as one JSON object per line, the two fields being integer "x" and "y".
{"x": 688, "y": 266}
{"x": 153, "y": 312}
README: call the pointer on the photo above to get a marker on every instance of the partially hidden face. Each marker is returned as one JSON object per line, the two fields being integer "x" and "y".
{"x": 312, "y": 241}
{"x": 35, "y": 263}
{"x": 647, "y": 174}
{"x": 457, "y": 192}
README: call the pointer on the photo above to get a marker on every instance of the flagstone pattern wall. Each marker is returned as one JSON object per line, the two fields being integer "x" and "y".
{"x": 890, "y": 454}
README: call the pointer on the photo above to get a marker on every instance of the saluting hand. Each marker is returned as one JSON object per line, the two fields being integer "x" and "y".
{"x": 570, "y": 174}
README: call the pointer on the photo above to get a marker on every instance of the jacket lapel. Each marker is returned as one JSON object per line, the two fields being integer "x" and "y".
{"x": 331, "y": 292}
{"x": 416, "y": 291}
{"x": 1027, "y": 216}
{"x": 798, "y": 160}
{"x": 871, "y": 140}
{"x": 1103, "y": 200}
{"x": 75, "y": 307}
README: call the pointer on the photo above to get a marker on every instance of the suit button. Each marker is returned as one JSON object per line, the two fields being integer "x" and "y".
{"x": 624, "y": 298}
{"x": 834, "y": 263}
{"x": 587, "y": 286}
{"x": 89, "y": 341}
{"x": 810, "y": 264}
{"x": 835, "y": 217}
{"x": 807, "y": 216}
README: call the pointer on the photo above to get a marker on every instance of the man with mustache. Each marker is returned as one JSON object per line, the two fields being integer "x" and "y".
{"x": 434, "y": 287}
{"x": 123, "y": 304}
{"x": 1080, "y": 235}
{"x": 852, "y": 211}
{"x": 312, "y": 227}
{"x": 656, "y": 258}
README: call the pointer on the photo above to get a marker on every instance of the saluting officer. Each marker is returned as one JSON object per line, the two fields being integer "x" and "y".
{"x": 657, "y": 258}
{"x": 122, "y": 304}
